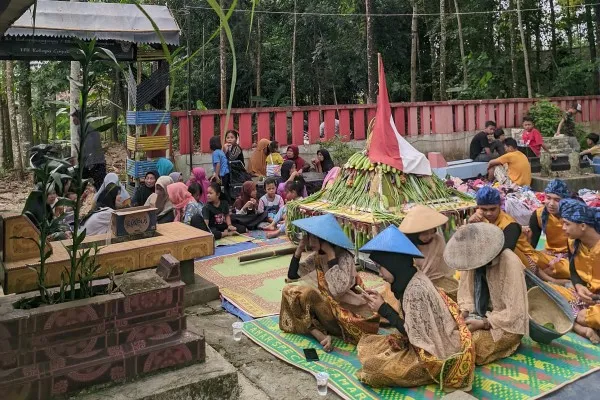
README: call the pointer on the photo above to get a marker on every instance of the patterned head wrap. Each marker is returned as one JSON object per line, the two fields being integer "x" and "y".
{"x": 559, "y": 188}
{"x": 578, "y": 212}
{"x": 488, "y": 196}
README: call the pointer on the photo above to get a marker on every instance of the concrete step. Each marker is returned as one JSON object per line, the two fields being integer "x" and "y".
{"x": 214, "y": 379}
{"x": 200, "y": 292}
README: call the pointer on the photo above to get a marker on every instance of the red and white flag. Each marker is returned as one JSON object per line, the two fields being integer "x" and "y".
{"x": 387, "y": 145}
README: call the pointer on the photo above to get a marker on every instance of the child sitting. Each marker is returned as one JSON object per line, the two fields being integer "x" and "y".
{"x": 216, "y": 214}
{"x": 271, "y": 202}
{"x": 293, "y": 191}
{"x": 273, "y": 159}
{"x": 532, "y": 137}
{"x": 246, "y": 208}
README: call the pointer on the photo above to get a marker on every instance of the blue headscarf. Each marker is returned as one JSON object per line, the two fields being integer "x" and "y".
{"x": 559, "y": 188}
{"x": 164, "y": 166}
{"x": 488, "y": 196}
{"x": 578, "y": 212}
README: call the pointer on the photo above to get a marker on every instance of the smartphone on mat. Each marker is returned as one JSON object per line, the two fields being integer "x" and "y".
{"x": 311, "y": 355}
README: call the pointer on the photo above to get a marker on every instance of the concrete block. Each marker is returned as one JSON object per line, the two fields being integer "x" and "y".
{"x": 214, "y": 379}
{"x": 200, "y": 292}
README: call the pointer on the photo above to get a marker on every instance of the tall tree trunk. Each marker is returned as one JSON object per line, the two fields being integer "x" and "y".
{"x": 223, "y": 62}
{"x": 24, "y": 86}
{"x": 513, "y": 52}
{"x": 293, "y": 78}
{"x": 413, "y": 53}
{"x": 525, "y": 55}
{"x": 552, "y": 33}
{"x": 2, "y": 133}
{"x": 7, "y": 154}
{"x": 592, "y": 43}
{"x": 12, "y": 115}
{"x": 371, "y": 78}
{"x": 258, "y": 57}
{"x": 538, "y": 48}
{"x": 443, "y": 50}
{"x": 569, "y": 26}
{"x": 462, "y": 46}
{"x": 115, "y": 97}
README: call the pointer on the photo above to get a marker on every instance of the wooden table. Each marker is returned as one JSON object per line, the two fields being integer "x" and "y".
{"x": 180, "y": 240}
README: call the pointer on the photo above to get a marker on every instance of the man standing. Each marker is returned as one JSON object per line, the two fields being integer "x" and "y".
{"x": 94, "y": 163}
{"x": 513, "y": 166}
{"x": 479, "y": 149}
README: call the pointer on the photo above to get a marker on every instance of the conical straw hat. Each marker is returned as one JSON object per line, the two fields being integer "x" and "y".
{"x": 327, "y": 228}
{"x": 391, "y": 240}
{"x": 473, "y": 246}
{"x": 421, "y": 218}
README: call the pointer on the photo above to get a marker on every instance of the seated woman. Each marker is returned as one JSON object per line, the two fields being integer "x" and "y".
{"x": 176, "y": 176}
{"x": 160, "y": 200}
{"x": 552, "y": 262}
{"x": 216, "y": 214}
{"x": 323, "y": 163}
{"x": 492, "y": 295}
{"x": 489, "y": 210}
{"x": 293, "y": 154}
{"x": 98, "y": 221}
{"x": 184, "y": 204}
{"x": 164, "y": 167}
{"x": 257, "y": 165}
{"x": 433, "y": 344}
{"x": 199, "y": 176}
{"x": 420, "y": 226}
{"x": 582, "y": 225}
{"x": 289, "y": 173}
{"x": 323, "y": 302}
{"x": 246, "y": 208}
{"x": 124, "y": 199}
{"x": 145, "y": 189}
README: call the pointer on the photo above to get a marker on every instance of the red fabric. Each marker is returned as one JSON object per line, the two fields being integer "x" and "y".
{"x": 384, "y": 147}
{"x": 299, "y": 161}
{"x": 533, "y": 139}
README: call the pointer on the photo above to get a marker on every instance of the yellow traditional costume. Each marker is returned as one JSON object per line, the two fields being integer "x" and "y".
{"x": 492, "y": 287}
{"x": 433, "y": 344}
{"x": 323, "y": 298}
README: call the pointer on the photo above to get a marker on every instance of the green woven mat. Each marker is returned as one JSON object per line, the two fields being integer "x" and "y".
{"x": 534, "y": 370}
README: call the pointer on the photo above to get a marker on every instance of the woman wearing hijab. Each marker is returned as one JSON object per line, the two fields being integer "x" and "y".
{"x": 199, "y": 176}
{"x": 124, "y": 199}
{"x": 99, "y": 221}
{"x": 176, "y": 176}
{"x": 289, "y": 174}
{"x": 160, "y": 200}
{"x": 433, "y": 344}
{"x": 184, "y": 204}
{"x": 145, "y": 189}
{"x": 323, "y": 302}
{"x": 420, "y": 226}
{"x": 293, "y": 153}
{"x": 492, "y": 294}
{"x": 257, "y": 165}
{"x": 246, "y": 208}
{"x": 581, "y": 223}
{"x": 323, "y": 163}
{"x": 164, "y": 167}
{"x": 330, "y": 177}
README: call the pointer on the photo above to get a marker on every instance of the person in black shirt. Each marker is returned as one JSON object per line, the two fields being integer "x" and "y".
{"x": 216, "y": 214}
{"x": 497, "y": 145}
{"x": 479, "y": 149}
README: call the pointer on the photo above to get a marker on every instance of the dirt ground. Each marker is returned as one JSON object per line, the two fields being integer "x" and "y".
{"x": 14, "y": 191}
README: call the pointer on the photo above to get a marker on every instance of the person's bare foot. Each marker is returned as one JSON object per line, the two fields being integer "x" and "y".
{"x": 586, "y": 332}
{"x": 269, "y": 227}
{"x": 272, "y": 234}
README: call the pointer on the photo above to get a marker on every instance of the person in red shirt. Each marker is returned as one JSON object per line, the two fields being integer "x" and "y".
{"x": 532, "y": 137}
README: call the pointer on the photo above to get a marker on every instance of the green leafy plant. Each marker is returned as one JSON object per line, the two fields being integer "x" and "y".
{"x": 339, "y": 149}
{"x": 546, "y": 117}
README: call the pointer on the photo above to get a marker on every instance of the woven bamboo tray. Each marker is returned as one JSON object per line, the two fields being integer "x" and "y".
{"x": 147, "y": 143}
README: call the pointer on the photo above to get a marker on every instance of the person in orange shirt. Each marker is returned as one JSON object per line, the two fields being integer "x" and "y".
{"x": 513, "y": 166}
{"x": 488, "y": 210}
{"x": 553, "y": 260}
{"x": 581, "y": 224}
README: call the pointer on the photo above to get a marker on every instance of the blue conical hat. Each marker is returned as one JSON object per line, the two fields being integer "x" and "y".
{"x": 391, "y": 240}
{"x": 327, "y": 228}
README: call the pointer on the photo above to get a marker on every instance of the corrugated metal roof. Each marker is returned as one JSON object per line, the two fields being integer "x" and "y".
{"x": 108, "y": 21}
{"x": 10, "y": 10}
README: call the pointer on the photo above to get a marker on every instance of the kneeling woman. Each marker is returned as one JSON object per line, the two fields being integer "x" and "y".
{"x": 434, "y": 344}
{"x": 323, "y": 302}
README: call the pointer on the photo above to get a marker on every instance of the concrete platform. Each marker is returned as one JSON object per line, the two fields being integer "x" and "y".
{"x": 589, "y": 181}
{"x": 200, "y": 292}
{"x": 214, "y": 379}
{"x": 463, "y": 169}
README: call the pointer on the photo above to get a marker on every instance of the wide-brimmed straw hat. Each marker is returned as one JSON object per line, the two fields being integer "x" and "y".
{"x": 473, "y": 246}
{"x": 325, "y": 227}
{"x": 421, "y": 218}
{"x": 391, "y": 240}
